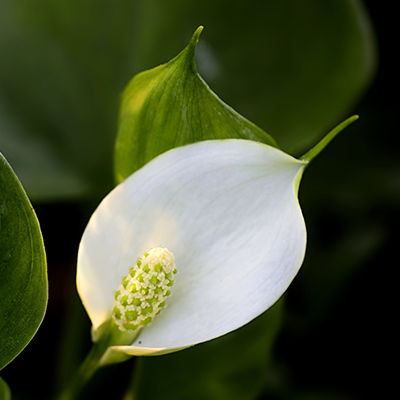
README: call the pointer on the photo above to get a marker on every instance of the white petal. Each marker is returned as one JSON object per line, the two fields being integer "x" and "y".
{"x": 229, "y": 212}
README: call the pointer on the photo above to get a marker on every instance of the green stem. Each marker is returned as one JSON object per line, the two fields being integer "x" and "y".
{"x": 111, "y": 336}
{"x": 311, "y": 154}
{"x": 85, "y": 372}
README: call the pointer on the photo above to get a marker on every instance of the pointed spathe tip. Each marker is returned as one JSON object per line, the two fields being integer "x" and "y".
{"x": 311, "y": 154}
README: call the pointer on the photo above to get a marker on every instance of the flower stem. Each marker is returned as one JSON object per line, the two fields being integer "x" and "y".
{"x": 85, "y": 372}
{"x": 96, "y": 359}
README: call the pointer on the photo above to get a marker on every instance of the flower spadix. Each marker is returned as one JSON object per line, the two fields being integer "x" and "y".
{"x": 143, "y": 292}
{"x": 228, "y": 210}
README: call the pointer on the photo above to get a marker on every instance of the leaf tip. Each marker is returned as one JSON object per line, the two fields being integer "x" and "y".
{"x": 191, "y": 48}
{"x": 197, "y": 33}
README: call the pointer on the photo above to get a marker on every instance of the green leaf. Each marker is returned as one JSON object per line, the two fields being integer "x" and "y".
{"x": 5, "y": 393}
{"x": 230, "y": 367}
{"x": 44, "y": 171}
{"x": 170, "y": 106}
{"x": 293, "y": 68}
{"x": 63, "y": 67}
{"x": 23, "y": 272}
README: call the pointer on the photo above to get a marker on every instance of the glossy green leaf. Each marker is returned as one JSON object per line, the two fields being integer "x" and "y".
{"x": 23, "y": 272}
{"x": 170, "y": 106}
{"x": 230, "y": 367}
{"x": 5, "y": 393}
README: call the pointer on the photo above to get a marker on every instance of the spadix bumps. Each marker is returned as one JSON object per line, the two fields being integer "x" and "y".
{"x": 143, "y": 291}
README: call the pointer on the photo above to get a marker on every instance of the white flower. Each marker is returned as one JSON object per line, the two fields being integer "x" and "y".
{"x": 228, "y": 210}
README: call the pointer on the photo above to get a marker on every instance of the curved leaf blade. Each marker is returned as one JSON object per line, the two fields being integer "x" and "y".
{"x": 23, "y": 272}
{"x": 171, "y": 106}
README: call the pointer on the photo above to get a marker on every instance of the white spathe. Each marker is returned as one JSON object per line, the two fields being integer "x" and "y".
{"x": 229, "y": 212}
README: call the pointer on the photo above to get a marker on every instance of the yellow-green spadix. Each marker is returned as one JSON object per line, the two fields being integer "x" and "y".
{"x": 143, "y": 292}
{"x": 229, "y": 213}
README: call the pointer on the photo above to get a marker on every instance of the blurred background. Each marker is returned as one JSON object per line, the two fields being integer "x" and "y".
{"x": 294, "y": 68}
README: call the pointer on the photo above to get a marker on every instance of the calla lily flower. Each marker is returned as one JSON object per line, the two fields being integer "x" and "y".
{"x": 229, "y": 212}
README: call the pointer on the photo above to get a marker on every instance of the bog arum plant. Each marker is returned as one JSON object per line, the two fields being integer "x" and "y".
{"x": 229, "y": 212}
{"x": 224, "y": 212}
